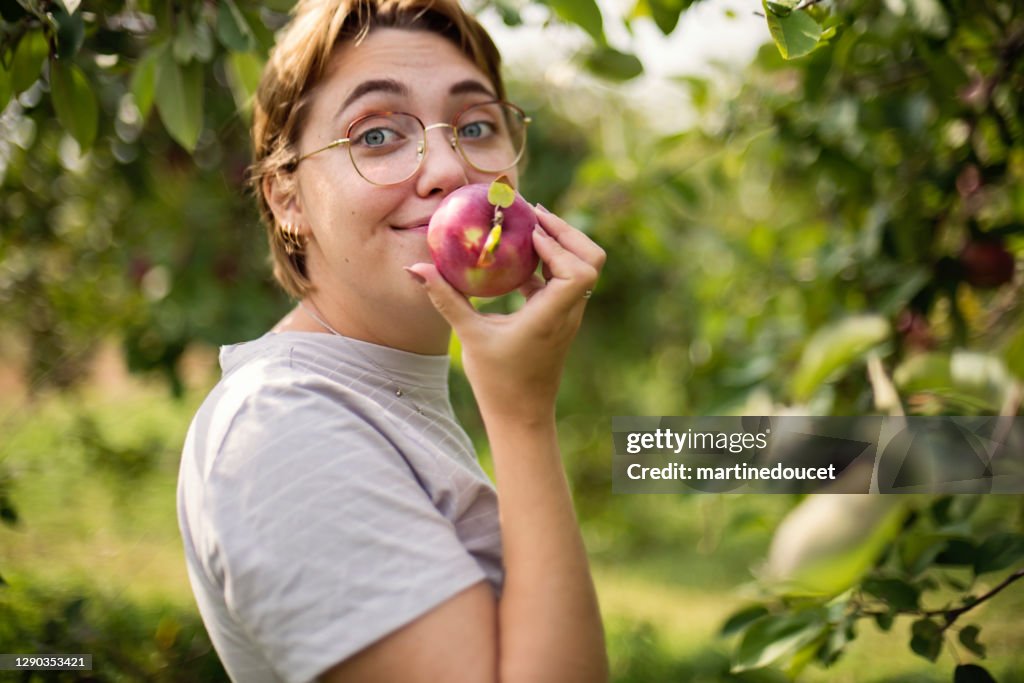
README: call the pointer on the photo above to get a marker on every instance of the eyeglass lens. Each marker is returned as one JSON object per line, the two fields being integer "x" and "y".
{"x": 387, "y": 148}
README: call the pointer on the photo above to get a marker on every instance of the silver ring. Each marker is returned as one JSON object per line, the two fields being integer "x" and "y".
{"x": 586, "y": 294}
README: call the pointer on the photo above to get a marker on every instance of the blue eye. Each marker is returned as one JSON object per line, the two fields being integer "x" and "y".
{"x": 378, "y": 137}
{"x": 476, "y": 129}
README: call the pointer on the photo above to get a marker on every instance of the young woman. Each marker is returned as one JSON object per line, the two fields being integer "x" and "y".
{"x": 336, "y": 523}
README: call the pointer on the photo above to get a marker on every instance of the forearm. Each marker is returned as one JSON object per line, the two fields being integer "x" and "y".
{"x": 549, "y": 624}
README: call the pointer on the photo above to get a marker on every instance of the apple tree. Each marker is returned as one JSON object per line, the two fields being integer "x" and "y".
{"x": 840, "y": 233}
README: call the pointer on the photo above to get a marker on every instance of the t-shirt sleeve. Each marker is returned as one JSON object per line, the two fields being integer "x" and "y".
{"x": 328, "y": 541}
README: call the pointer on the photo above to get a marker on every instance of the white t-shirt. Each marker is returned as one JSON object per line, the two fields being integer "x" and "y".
{"x": 320, "y": 511}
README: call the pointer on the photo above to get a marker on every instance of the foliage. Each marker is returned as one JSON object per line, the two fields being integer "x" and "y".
{"x": 932, "y": 571}
{"x": 856, "y": 195}
{"x": 132, "y": 642}
{"x": 841, "y": 234}
{"x": 841, "y": 237}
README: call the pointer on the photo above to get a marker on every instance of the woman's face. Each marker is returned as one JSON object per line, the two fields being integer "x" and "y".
{"x": 362, "y": 235}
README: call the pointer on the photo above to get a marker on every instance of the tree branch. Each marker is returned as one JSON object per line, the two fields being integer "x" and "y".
{"x": 951, "y": 615}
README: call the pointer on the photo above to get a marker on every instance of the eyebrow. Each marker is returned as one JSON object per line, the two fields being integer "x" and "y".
{"x": 470, "y": 85}
{"x": 390, "y": 85}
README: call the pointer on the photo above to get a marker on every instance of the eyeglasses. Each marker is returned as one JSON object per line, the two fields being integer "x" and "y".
{"x": 388, "y": 148}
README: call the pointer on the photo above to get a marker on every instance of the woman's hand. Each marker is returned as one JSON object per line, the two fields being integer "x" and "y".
{"x": 514, "y": 362}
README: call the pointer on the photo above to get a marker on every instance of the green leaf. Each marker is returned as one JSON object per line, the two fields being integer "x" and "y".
{"x": 74, "y": 102}
{"x": 950, "y": 509}
{"x": 232, "y": 28}
{"x": 500, "y": 193}
{"x": 898, "y": 594}
{"x": 612, "y": 64}
{"x": 780, "y": 8}
{"x": 70, "y": 31}
{"x": 885, "y": 620}
{"x": 972, "y": 673}
{"x": 185, "y": 44}
{"x": 828, "y": 542}
{"x": 927, "y": 639}
{"x": 179, "y": 99}
{"x": 28, "y": 61}
{"x": 918, "y": 552}
{"x": 583, "y": 13}
{"x": 8, "y": 515}
{"x": 833, "y": 348}
{"x": 957, "y": 552}
{"x": 243, "y": 71}
{"x": 839, "y": 636}
{"x": 203, "y": 42}
{"x": 738, "y": 621}
{"x": 192, "y": 41}
{"x": 771, "y": 638}
{"x": 666, "y": 13}
{"x": 923, "y": 372}
{"x": 999, "y": 551}
{"x": 509, "y": 13}
{"x": 795, "y": 34}
{"x": 144, "y": 79}
{"x": 5, "y": 89}
{"x": 969, "y": 639}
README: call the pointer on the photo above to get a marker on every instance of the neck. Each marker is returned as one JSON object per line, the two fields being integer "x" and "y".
{"x": 425, "y": 337}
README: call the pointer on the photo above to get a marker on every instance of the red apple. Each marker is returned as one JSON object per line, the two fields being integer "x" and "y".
{"x": 986, "y": 263}
{"x": 481, "y": 239}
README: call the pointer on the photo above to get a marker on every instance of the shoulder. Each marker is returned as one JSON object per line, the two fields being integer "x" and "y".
{"x": 281, "y": 397}
{"x": 276, "y": 374}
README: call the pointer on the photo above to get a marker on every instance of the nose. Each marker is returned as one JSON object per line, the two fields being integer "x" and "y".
{"x": 443, "y": 169}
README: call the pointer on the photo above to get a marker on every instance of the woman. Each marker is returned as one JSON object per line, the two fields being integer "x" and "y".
{"x": 337, "y": 526}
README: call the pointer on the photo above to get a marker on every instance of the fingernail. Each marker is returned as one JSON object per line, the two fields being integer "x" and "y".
{"x": 542, "y": 207}
{"x": 415, "y": 276}
{"x": 540, "y": 232}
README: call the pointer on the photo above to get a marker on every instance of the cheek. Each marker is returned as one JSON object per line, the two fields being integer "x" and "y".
{"x": 354, "y": 209}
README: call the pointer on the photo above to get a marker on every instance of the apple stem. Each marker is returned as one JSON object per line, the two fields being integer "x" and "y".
{"x": 486, "y": 257}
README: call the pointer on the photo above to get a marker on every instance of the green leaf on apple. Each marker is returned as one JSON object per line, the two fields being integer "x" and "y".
{"x": 500, "y": 193}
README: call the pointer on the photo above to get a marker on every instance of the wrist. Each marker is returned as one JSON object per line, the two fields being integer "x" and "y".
{"x": 535, "y": 418}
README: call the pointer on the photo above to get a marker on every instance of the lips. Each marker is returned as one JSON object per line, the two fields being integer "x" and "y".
{"x": 416, "y": 225}
{"x": 413, "y": 229}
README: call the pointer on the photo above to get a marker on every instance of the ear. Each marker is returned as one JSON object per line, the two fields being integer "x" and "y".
{"x": 282, "y": 193}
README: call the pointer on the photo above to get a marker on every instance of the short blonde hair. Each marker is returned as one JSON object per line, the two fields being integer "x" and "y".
{"x": 296, "y": 66}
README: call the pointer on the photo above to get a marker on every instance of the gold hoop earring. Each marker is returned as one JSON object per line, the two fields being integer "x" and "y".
{"x": 293, "y": 241}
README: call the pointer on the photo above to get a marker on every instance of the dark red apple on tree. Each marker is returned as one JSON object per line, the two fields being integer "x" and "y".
{"x": 986, "y": 263}
{"x": 481, "y": 239}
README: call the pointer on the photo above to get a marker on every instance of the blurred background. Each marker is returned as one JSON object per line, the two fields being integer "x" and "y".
{"x": 812, "y": 208}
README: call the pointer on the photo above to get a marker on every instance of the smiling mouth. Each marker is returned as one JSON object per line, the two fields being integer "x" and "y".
{"x": 412, "y": 228}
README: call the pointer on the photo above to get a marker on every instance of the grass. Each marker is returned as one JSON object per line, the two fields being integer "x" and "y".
{"x": 94, "y": 483}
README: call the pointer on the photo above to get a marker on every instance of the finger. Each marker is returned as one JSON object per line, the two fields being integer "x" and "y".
{"x": 571, "y": 238}
{"x": 531, "y": 286}
{"x": 545, "y": 271}
{"x": 449, "y": 302}
{"x": 570, "y": 275}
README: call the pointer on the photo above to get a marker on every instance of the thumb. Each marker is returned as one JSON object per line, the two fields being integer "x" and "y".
{"x": 450, "y": 303}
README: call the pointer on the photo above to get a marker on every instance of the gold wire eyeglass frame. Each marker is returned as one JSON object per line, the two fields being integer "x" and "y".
{"x": 421, "y": 151}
